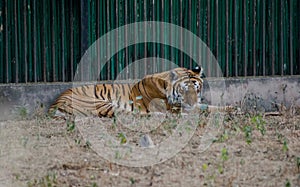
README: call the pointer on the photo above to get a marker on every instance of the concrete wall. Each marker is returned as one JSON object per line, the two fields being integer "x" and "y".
{"x": 25, "y": 100}
{"x": 262, "y": 94}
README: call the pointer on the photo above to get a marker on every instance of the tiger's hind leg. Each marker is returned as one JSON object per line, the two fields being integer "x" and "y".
{"x": 104, "y": 108}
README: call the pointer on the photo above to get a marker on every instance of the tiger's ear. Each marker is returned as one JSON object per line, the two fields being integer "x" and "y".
{"x": 173, "y": 75}
{"x": 198, "y": 71}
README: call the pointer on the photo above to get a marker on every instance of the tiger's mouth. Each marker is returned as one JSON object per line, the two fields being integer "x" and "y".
{"x": 179, "y": 102}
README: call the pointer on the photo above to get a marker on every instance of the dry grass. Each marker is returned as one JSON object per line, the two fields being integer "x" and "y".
{"x": 247, "y": 150}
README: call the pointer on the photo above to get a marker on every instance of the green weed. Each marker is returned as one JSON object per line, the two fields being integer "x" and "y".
{"x": 260, "y": 124}
{"x": 77, "y": 141}
{"x": 118, "y": 155}
{"x": 298, "y": 163}
{"x": 23, "y": 112}
{"x": 224, "y": 154}
{"x": 88, "y": 144}
{"x": 70, "y": 125}
{"x": 204, "y": 167}
{"x": 49, "y": 180}
{"x": 220, "y": 169}
{"x": 223, "y": 137}
{"x": 132, "y": 180}
{"x": 285, "y": 146}
{"x": 122, "y": 138}
{"x": 287, "y": 183}
{"x": 248, "y": 133}
{"x": 224, "y": 157}
{"x": 94, "y": 185}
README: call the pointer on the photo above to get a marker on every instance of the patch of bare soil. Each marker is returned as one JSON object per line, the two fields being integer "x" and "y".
{"x": 248, "y": 150}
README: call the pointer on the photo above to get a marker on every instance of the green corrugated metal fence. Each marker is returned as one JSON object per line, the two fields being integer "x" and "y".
{"x": 43, "y": 41}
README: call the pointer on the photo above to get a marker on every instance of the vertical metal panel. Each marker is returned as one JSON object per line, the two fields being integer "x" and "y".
{"x": 281, "y": 38}
{"x": 126, "y": 56}
{"x": 273, "y": 37}
{"x": 83, "y": 24}
{"x": 113, "y": 39}
{"x": 7, "y": 42}
{"x": 285, "y": 36}
{"x": 2, "y": 56}
{"x": 53, "y": 42}
{"x": 291, "y": 37}
{"x": 166, "y": 18}
{"x": 108, "y": 18}
{"x": 208, "y": 37}
{"x": 217, "y": 54}
{"x": 226, "y": 38}
{"x": 35, "y": 40}
{"x": 16, "y": 59}
{"x": 194, "y": 29}
{"x": 25, "y": 47}
{"x": 245, "y": 40}
{"x": 71, "y": 39}
{"x": 20, "y": 36}
{"x": 44, "y": 40}
{"x": 190, "y": 23}
{"x": 230, "y": 38}
{"x": 63, "y": 40}
{"x": 297, "y": 37}
{"x": 92, "y": 33}
{"x": 235, "y": 39}
{"x": 30, "y": 43}
{"x": 254, "y": 10}
{"x": 98, "y": 30}
{"x": 264, "y": 37}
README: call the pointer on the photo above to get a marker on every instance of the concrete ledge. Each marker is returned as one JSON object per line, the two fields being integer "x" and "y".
{"x": 259, "y": 93}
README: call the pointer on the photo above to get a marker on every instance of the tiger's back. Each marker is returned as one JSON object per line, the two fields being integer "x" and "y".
{"x": 97, "y": 100}
{"x": 104, "y": 99}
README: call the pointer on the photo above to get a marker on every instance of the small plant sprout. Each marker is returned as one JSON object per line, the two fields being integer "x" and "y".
{"x": 77, "y": 141}
{"x": 118, "y": 155}
{"x": 223, "y": 137}
{"x": 242, "y": 162}
{"x": 220, "y": 169}
{"x": 287, "y": 183}
{"x": 48, "y": 180}
{"x": 248, "y": 132}
{"x": 24, "y": 141}
{"x": 88, "y": 144}
{"x": 123, "y": 139}
{"x": 137, "y": 110}
{"x": 70, "y": 125}
{"x": 224, "y": 154}
{"x": 298, "y": 163}
{"x": 115, "y": 120}
{"x": 23, "y": 112}
{"x": 17, "y": 176}
{"x": 132, "y": 180}
{"x": 285, "y": 146}
{"x": 204, "y": 167}
{"x": 260, "y": 124}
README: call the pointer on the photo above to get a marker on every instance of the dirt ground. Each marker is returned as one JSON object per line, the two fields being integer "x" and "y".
{"x": 248, "y": 150}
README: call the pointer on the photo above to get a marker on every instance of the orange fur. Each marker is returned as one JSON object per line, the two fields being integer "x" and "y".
{"x": 173, "y": 87}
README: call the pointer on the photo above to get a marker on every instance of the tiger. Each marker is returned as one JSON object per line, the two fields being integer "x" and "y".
{"x": 179, "y": 88}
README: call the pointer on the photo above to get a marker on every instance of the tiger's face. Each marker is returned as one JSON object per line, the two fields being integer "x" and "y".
{"x": 186, "y": 88}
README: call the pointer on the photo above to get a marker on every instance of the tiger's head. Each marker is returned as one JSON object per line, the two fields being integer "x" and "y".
{"x": 185, "y": 88}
